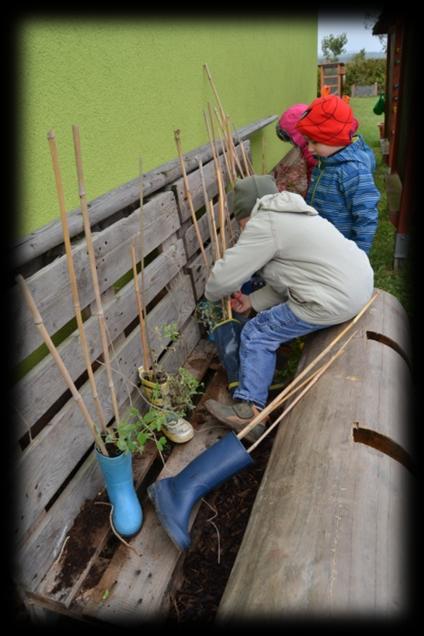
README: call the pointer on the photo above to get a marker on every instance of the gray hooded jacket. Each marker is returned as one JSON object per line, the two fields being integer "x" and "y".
{"x": 304, "y": 260}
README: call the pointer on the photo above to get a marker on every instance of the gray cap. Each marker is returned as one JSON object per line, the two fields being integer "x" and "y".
{"x": 248, "y": 190}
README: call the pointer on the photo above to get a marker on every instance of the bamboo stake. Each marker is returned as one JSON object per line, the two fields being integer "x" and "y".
{"x": 225, "y": 126}
{"x": 206, "y": 202}
{"x": 277, "y": 400}
{"x": 221, "y": 213}
{"x": 227, "y": 165}
{"x": 315, "y": 379}
{"x": 226, "y": 305}
{"x": 72, "y": 277}
{"x": 206, "y": 67}
{"x": 211, "y": 138}
{"x": 215, "y": 234}
{"x": 211, "y": 135}
{"x": 143, "y": 326}
{"x": 92, "y": 261}
{"x": 227, "y": 139}
{"x": 247, "y": 165}
{"x": 248, "y": 168}
{"x": 143, "y": 335}
{"x": 228, "y": 220}
{"x": 38, "y": 321}
{"x": 189, "y": 198}
{"x": 232, "y": 151}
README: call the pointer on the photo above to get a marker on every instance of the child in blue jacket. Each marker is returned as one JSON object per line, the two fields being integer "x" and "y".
{"x": 342, "y": 187}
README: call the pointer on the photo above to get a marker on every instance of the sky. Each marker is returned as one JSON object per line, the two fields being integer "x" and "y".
{"x": 353, "y": 24}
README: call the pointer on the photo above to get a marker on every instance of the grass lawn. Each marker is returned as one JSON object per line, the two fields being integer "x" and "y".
{"x": 397, "y": 283}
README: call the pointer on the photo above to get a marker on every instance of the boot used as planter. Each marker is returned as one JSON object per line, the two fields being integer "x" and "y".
{"x": 127, "y": 515}
{"x": 156, "y": 388}
{"x": 174, "y": 497}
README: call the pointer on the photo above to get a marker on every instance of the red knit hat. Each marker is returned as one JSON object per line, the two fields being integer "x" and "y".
{"x": 328, "y": 120}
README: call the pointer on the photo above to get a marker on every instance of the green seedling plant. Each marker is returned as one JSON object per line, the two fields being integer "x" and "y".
{"x": 136, "y": 430}
{"x": 183, "y": 387}
{"x": 208, "y": 314}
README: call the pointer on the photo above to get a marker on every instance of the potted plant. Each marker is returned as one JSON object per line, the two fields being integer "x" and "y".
{"x": 172, "y": 394}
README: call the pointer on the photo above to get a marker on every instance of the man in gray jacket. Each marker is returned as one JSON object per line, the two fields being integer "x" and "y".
{"x": 314, "y": 277}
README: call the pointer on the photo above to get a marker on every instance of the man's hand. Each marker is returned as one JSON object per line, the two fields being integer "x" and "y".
{"x": 240, "y": 302}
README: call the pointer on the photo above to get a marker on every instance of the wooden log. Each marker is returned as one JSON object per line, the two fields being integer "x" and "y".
{"x": 326, "y": 536}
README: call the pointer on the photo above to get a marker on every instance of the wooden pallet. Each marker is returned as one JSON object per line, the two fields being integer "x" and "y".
{"x": 58, "y": 476}
{"x": 96, "y": 576}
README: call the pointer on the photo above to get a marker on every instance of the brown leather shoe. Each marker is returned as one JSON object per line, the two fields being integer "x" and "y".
{"x": 236, "y": 416}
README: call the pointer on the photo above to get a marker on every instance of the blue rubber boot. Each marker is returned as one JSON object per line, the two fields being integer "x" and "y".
{"x": 127, "y": 516}
{"x": 226, "y": 337}
{"x": 174, "y": 497}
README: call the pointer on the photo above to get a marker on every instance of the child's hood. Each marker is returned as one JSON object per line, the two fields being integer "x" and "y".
{"x": 356, "y": 151}
{"x": 283, "y": 202}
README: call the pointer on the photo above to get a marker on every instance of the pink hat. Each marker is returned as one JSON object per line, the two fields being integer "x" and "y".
{"x": 288, "y": 121}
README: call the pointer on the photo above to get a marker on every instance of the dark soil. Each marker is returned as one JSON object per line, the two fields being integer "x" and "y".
{"x": 209, "y": 561}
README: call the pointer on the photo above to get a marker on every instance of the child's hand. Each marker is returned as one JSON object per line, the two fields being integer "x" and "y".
{"x": 240, "y": 302}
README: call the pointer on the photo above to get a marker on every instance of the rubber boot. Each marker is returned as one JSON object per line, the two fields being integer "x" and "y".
{"x": 226, "y": 337}
{"x": 127, "y": 516}
{"x": 174, "y": 497}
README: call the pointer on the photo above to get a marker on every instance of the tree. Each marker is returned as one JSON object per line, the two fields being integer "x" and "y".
{"x": 333, "y": 45}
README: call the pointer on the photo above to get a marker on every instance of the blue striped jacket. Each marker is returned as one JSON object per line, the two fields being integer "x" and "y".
{"x": 343, "y": 191}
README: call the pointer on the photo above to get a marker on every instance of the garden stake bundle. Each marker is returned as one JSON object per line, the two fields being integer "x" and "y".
{"x": 225, "y": 125}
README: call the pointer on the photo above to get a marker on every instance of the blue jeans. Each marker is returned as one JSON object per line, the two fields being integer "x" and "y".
{"x": 260, "y": 338}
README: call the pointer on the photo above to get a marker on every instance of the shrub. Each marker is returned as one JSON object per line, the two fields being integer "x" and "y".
{"x": 364, "y": 72}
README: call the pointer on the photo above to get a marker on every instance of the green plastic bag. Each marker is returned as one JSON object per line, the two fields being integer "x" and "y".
{"x": 379, "y": 106}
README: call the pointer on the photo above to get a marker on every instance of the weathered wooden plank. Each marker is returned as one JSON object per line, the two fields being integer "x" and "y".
{"x": 40, "y": 470}
{"x": 195, "y": 185}
{"x": 326, "y": 535}
{"x": 42, "y": 386}
{"x": 49, "y": 236}
{"x": 197, "y": 267}
{"x": 190, "y": 237}
{"x": 51, "y": 288}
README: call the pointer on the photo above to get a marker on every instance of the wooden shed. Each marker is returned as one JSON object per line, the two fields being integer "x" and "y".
{"x": 332, "y": 74}
{"x": 401, "y": 101}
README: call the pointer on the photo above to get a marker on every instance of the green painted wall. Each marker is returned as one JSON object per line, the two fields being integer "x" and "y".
{"x": 130, "y": 84}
